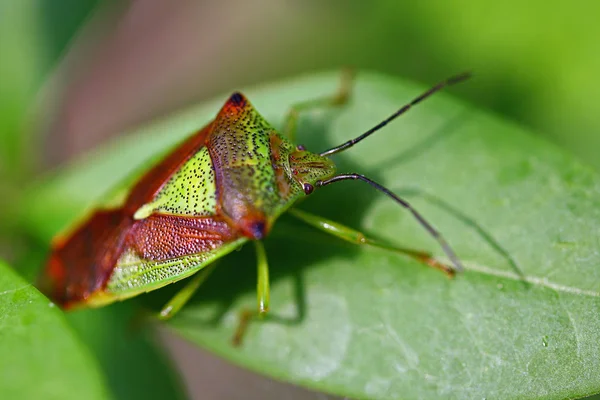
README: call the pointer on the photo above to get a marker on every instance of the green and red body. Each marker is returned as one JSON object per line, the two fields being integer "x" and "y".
{"x": 223, "y": 186}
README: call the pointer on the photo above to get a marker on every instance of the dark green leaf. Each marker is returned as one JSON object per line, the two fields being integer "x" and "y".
{"x": 522, "y": 215}
{"x": 124, "y": 346}
{"x": 135, "y": 367}
{"x": 40, "y": 355}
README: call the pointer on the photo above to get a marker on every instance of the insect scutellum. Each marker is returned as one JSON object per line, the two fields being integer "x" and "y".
{"x": 316, "y": 170}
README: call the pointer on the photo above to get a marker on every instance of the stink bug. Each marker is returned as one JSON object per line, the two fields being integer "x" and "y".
{"x": 223, "y": 186}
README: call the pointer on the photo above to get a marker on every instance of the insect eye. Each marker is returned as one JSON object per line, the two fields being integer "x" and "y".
{"x": 308, "y": 188}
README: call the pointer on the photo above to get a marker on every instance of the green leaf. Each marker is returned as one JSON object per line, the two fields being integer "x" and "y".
{"x": 40, "y": 356}
{"x": 521, "y": 322}
{"x": 125, "y": 349}
{"x": 33, "y": 35}
{"x": 132, "y": 363}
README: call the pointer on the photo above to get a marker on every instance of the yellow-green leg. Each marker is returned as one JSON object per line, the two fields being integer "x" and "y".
{"x": 353, "y": 236}
{"x": 263, "y": 294}
{"x": 185, "y": 294}
{"x": 338, "y": 98}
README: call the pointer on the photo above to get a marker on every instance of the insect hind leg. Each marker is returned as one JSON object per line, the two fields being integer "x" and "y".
{"x": 353, "y": 236}
{"x": 185, "y": 294}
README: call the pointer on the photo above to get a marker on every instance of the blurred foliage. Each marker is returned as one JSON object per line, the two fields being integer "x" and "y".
{"x": 33, "y": 35}
{"x": 534, "y": 61}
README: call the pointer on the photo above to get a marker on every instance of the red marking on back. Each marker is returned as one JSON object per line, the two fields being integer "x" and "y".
{"x": 82, "y": 263}
{"x": 163, "y": 237}
{"x": 236, "y": 103}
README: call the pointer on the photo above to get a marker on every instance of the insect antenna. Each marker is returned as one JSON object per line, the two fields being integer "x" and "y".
{"x": 448, "y": 82}
{"x": 445, "y": 246}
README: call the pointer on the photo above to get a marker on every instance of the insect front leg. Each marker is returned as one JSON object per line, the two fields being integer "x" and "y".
{"x": 353, "y": 236}
{"x": 339, "y": 98}
{"x": 263, "y": 294}
{"x": 185, "y": 294}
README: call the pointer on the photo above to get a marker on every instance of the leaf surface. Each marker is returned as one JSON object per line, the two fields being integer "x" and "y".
{"x": 523, "y": 216}
{"x": 40, "y": 355}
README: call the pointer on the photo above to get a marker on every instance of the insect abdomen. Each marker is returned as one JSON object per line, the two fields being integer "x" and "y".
{"x": 82, "y": 264}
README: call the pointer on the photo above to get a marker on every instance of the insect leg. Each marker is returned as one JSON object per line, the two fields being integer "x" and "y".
{"x": 185, "y": 294}
{"x": 353, "y": 236}
{"x": 338, "y": 98}
{"x": 262, "y": 287}
{"x": 263, "y": 294}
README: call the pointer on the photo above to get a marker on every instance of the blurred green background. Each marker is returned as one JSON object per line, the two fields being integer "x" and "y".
{"x": 75, "y": 72}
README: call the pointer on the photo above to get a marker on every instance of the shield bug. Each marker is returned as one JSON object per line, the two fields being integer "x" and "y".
{"x": 223, "y": 186}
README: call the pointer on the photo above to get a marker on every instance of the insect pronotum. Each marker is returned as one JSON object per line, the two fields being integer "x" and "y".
{"x": 226, "y": 184}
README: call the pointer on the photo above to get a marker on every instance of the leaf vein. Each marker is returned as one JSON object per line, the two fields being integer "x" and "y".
{"x": 534, "y": 280}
